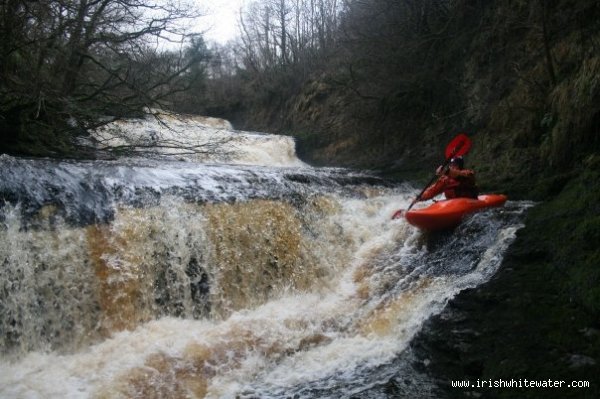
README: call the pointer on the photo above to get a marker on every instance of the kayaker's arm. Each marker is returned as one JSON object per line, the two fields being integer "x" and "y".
{"x": 433, "y": 190}
{"x": 438, "y": 187}
{"x": 455, "y": 172}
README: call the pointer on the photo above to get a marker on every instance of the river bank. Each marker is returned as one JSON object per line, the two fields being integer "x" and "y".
{"x": 537, "y": 318}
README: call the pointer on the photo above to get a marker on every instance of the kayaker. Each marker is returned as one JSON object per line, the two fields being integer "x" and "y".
{"x": 454, "y": 181}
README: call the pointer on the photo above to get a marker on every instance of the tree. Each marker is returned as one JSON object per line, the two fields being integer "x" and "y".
{"x": 284, "y": 33}
{"x": 68, "y": 64}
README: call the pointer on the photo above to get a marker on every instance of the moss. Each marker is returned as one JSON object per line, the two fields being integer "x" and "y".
{"x": 548, "y": 187}
{"x": 569, "y": 226}
{"x": 588, "y": 233}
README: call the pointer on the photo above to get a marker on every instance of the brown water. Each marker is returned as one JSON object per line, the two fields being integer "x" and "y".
{"x": 187, "y": 280}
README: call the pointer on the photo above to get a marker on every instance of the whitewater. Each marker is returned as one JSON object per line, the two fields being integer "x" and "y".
{"x": 239, "y": 273}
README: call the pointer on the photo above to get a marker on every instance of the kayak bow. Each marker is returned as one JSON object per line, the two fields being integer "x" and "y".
{"x": 447, "y": 214}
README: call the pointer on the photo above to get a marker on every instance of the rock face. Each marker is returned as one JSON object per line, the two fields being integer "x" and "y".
{"x": 528, "y": 99}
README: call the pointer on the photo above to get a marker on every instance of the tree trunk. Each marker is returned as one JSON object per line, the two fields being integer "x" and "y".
{"x": 73, "y": 61}
{"x": 546, "y": 39}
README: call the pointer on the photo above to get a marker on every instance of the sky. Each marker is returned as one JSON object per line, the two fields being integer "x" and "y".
{"x": 220, "y": 22}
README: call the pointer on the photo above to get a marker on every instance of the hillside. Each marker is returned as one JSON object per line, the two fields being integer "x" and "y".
{"x": 520, "y": 78}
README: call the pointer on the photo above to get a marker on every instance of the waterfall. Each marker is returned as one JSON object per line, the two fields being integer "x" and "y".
{"x": 174, "y": 278}
{"x": 197, "y": 139}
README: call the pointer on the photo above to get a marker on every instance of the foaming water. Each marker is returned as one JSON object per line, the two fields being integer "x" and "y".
{"x": 346, "y": 304}
{"x": 142, "y": 278}
{"x": 196, "y": 139}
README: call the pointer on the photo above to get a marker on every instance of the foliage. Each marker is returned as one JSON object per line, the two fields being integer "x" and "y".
{"x": 574, "y": 213}
{"x": 395, "y": 80}
{"x": 374, "y": 63}
{"x": 68, "y": 65}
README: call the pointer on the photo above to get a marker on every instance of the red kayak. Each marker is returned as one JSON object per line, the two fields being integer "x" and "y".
{"x": 447, "y": 214}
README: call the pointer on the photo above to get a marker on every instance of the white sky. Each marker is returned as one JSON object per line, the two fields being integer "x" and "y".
{"x": 220, "y": 22}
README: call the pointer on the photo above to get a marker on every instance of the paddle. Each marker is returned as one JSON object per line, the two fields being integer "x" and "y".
{"x": 459, "y": 146}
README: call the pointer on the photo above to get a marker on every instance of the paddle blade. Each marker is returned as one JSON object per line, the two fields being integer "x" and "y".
{"x": 459, "y": 146}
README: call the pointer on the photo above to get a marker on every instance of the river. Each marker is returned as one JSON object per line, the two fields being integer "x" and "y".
{"x": 250, "y": 275}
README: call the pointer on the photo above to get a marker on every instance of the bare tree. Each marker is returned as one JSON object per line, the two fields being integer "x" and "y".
{"x": 287, "y": 32}
{"x": 67, "y": 63}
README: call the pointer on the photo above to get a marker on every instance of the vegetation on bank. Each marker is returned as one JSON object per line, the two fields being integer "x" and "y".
{"x": 381, "y": 84}
{"x": 566, "y": 233}
{"x": 67, "y": 67}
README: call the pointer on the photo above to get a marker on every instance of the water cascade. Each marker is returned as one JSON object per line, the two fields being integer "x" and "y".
{"x": 140, "y": 278}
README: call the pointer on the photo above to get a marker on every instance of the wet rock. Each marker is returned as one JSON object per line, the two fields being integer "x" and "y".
{"x": 577, "y": 361}
{"x": 589, "y": 332}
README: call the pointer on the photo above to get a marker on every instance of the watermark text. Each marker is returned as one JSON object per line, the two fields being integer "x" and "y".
{"x": 519, "y": 383}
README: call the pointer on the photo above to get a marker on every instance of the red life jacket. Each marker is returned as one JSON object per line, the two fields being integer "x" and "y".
{"x": 459, "y": 188}
{"x": 456, "y": 184}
